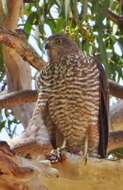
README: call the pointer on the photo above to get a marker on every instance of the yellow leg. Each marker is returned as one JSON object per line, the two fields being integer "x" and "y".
{"x": 85, "y": 153}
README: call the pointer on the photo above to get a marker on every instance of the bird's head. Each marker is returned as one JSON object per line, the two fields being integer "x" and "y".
{"x": 58, "y": 46}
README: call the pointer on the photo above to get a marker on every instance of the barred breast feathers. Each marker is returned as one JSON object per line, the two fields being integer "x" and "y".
{"x": 71, "y": 92}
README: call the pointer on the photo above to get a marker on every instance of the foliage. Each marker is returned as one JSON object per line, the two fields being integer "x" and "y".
{"x": 8, "y": 122}
{"x": 85, "y": 21}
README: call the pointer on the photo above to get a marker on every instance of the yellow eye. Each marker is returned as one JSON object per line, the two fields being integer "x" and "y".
{"x": 58, "y": 41}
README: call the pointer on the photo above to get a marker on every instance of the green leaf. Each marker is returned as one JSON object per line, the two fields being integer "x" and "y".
{"x": 30, "y": 21}
{"x": 59, "y": 26}
{"x": 101, "y": 8}
{"x": 2, "y": 125}
{"x": 28, "y": 9}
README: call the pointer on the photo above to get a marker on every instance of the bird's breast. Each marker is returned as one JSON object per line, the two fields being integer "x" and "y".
{"x": 74, "y": 102}
{"x": 67, "y": 103}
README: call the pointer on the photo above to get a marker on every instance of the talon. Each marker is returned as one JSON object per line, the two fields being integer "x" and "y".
{"x": 85, "y": 159}
{"x": 85, "y": 153}
{"x": 56, "y": 156}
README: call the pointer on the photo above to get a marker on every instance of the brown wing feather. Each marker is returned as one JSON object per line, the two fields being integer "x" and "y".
{"x": 103, "y": 112}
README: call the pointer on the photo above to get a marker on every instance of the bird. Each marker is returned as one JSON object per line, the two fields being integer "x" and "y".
{"x": 73, "y": 99}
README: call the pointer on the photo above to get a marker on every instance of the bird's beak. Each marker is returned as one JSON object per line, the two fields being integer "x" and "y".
{"x": 47, "y": 46}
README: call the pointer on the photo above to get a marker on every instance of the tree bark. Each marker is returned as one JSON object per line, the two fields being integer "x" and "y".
{"x": 17, "y": 173}
{"x": 17, "y": 70}
{"x": 116, "y": 115}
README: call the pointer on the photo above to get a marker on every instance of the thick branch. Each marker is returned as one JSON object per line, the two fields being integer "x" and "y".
{"x": 16, "y": 98}
{"x": 24, "y": 174}
{"x": 115, "y": 140}
{"x": 116, "y": 116}
{"x": 115, "y": 89}
{"x": 10, "y": 172}
{"x": 27, "y": 96}
{"x": 14, "y": 9}
{"x": 13, "y": 40}
{"x": 113, "y": 17}
{"x": 30, "y": 147}
{"x": 18, "y": 72}
{"x": 116, "y": 19}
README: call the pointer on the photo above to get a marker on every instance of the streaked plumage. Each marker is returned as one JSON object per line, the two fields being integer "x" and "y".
{"x": 73, "y": 95}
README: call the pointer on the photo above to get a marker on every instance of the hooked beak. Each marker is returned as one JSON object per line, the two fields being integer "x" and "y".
{"x": 47, "y": 46}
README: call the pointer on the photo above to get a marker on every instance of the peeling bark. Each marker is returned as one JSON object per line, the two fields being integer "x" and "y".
{"x": 115, "y": 140}
{"x": 27, "y": 96}
{"x": 15, "y": 98}
{"x": 17, "y": 70}
{"x": 12, "y": 40}
{"x": 17, "y": 173}
{"x": 116, "y": 113}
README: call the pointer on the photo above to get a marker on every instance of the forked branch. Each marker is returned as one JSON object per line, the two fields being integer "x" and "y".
{"x": 14, "y": 41}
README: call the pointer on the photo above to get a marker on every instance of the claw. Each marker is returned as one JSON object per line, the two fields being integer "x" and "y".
{"x": 56, "y": 155}
{"x": 85, "y": 158}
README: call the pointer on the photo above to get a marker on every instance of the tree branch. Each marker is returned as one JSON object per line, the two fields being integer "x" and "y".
{"x": 30, "y": 147}
{"x": 115, "y": 89}
{"x": 17, "y": 173}
{"x": 18, "y": 71}
{"x": 16, "y": 98}
{"x": 116, "y": 19}
{"x": 115, "y": 140}
{"x": 116, "y": 116}
{"x": 121, "y": 5}
{"x": 13, "y": 40}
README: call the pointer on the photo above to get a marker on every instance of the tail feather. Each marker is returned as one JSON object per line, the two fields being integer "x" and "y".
{"x": 103, "y": 113}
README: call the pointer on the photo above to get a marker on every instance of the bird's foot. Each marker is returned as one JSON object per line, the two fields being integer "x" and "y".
{"x": 85, "y": 158}
{"x": 57, "y": 155}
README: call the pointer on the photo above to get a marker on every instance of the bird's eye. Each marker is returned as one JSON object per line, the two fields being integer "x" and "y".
{"x": 58, "y": 41}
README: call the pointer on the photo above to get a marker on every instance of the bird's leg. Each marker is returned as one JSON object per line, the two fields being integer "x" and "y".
{"x": 57, "y": 155}
{"x": 93, "y": 146}
{"x": 85, "y": 153}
